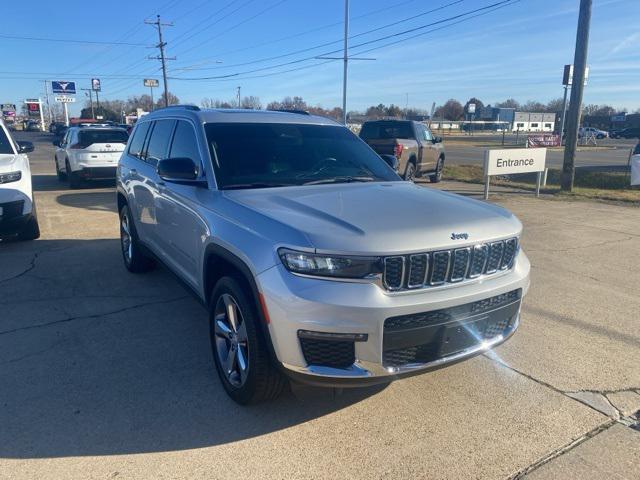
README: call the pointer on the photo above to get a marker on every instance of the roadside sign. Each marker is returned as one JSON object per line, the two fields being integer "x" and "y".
{"x": 543, "y": 140}
{"x": 9, "y": 113}
{"x": 567, "y": 75}
{"x": 33, "y": 107}
{"x": 514, "y": 160}
{"x": 67, "y": 88}
{"x": 471, "y": 108}
{"x": 635, "y": 169}
{"x": 95, "y": 84}
{"x": 8, "y": 107}
{"x": 621, "y": 117}
{"x": 65, "y": 99}
{"x": 151, "y": 82}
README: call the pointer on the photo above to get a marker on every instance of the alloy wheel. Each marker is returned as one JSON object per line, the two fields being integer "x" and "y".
{"x": 125, "y": 237}
{"x": 230, "y": 335}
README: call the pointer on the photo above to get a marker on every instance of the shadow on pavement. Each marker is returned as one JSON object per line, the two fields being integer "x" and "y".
{"x": 96, "y": 361}
{"x": 105, "y": 201}
{"x": 50, "y": 183}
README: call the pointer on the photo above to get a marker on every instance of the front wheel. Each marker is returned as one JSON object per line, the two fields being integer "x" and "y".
{"x": 239, "y": 349}
{"x": 437, "y": 176}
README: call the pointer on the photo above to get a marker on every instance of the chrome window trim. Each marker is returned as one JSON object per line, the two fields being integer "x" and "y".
{"x": 426, "y": 270}
{"x": 466, "y": 268}
{"x": 384, "y": 270}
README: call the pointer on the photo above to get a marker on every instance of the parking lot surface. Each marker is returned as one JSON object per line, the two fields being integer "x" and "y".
{"x": 104, "y": 374}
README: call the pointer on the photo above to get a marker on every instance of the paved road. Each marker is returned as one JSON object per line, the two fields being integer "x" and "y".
{"x": 104, "y": 374}
{"x": 469, "y": 150}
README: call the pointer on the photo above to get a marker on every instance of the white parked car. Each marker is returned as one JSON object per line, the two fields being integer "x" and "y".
{"x": 91, "y": 152}
{"x": 17, "y": 208}
{"x": 592, "y": 132}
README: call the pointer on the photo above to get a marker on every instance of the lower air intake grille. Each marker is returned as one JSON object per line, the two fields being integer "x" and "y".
{"x": 336, "y": 354}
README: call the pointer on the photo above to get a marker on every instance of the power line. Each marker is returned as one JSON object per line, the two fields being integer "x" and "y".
{"x": 315, "y": 47}
{"x": 67, "y": 40}
{"x": 292, "y": 62}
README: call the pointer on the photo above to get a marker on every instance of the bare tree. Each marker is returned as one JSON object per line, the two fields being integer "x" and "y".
{"x": 251, "y": 102}
{"x": 509, "y": 103}
{"x": 451, "y": 110}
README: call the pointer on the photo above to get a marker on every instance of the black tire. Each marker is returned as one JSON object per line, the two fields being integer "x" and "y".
{"x": 437, "y": 176}
{"x": 72, "y": 177}
{"x": 262, "y": 381}
{"x": 134, "y": 259}
{"x": 61, "y": 175}
{"x": 31, "y": 230}
{"x": 410, "y": 171}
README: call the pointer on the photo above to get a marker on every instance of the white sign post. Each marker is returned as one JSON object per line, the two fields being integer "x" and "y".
{"x": 64, "y": 99}
{"x": 514, "y": 160}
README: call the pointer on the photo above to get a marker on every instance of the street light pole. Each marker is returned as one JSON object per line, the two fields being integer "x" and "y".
{"x": 577, "y": 88}
{"x": 346, "y": 61}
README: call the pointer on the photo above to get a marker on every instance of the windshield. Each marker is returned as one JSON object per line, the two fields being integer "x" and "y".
{"x": 272, "y": 154}
{"x": 89, "y": 137}
{"x": 371, "y": 130}
{"x": 5, "y": 143}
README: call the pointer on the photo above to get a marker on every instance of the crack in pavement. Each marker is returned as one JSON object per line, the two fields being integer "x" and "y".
{"x": 32, "y": 265}
{"x": 98, "y": 315}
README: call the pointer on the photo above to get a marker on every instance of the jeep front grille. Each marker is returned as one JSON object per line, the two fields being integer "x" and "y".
{"x": 448, "y": 266}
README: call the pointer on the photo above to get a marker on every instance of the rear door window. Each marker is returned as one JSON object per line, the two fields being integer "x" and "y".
{"x": 158, "y": 147}
{"x": 384, "y": 130}
{"x": 137, "y": 141}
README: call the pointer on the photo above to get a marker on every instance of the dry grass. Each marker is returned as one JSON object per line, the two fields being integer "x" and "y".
{"x": 610, "y": 186}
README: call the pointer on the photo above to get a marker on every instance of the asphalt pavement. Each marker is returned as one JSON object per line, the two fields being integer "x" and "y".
{"x": 105, "y": 374}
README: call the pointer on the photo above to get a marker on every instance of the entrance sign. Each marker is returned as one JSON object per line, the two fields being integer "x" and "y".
{"x": 65, "y": 99}
{"x": 514, "y": 160}
{"x": 635, "y": 169}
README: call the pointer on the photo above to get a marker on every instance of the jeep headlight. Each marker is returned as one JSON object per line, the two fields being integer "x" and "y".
{"x": 339, "y": 266}
{"x": 10, "y": 177}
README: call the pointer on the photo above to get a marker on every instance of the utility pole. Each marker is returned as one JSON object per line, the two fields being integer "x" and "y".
{"x": 239, "y": 98}
{"x": 46, "y": 96}
{"x": 162, "y": 56}
{"x": 577, "y": 88}
{"x": 564, "y": 112}
{"x": 93, "y": 113}
{"x": 346, "y": 61}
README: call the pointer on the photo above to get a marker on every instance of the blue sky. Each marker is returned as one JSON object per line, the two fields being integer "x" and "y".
{"x": 516, "y": 51}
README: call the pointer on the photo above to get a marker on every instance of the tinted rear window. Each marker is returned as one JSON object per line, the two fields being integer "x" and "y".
{"x": 89, "y": 137}
{"x": 371, "y": 130}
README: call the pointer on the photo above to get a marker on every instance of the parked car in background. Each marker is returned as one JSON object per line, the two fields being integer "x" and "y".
{"x": 86, "y": 153}
{"x": 627, "y": 133}
{"x": 592, "y": 132}
{"x": 294, "y": 234}
{"x": 418, "y": 151}
{"x": 18, "y": 217}
{"x": 32, "y": 126}
{"x": 53, "y": 126}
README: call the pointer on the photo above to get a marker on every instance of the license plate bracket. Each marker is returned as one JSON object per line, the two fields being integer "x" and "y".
{"x": 461, "y": 336}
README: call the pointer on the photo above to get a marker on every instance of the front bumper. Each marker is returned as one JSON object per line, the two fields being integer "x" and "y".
{"x": 13, "y": 219}
{"x": 298, "y": 304}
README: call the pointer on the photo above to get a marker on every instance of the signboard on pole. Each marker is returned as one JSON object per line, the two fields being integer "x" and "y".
{"x": 95, "y": 84}
{"x": 151, "y": 82}
{"x": 8, "y": 107}
{"x": 33, "y": 108}
{"x": 66, "y": 88}
{"x": 471, "y": 108}
{"x": 620, "y": 117}
{"x": 567, "y": 75}
{"x": 65, "y": 99}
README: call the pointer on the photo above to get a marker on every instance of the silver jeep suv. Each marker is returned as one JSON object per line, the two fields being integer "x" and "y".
{"x": 306, "y": 248}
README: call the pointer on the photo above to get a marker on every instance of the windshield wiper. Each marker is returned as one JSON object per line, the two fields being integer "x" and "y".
{"x": 340, "y": 180}
{"x": 239, "y": 186}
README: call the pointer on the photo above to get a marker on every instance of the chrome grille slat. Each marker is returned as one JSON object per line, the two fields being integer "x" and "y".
{"x": 451, "y": 266}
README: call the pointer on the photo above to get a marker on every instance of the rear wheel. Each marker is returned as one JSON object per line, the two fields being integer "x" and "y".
{"x": 239, "y": 349}
{"x": 437, "y": 176}
{"x": 72, "y": 177}
{"x": 410, "y": 172}
{"x": 134, "y": 260}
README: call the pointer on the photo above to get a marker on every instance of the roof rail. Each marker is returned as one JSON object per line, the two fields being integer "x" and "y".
{"x": 287, "y": 110}
{"x": 186, "y": 107}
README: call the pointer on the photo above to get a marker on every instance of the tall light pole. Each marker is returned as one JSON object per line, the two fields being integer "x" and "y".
{"x": 346, "y": 61}
{"x": 46, "y": 96}
{"x": 577, "y": 88}
{"x": 163, "y": 59}
{"x": 93, "y": 113}
{"x": 239, "y": 98}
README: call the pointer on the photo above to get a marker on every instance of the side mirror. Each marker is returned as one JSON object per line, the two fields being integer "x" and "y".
{"x": 179, "y": 170}
{"x": 437, "y": 140}
{"x": 392, "y": 161}
{"x": 25, "y": 147}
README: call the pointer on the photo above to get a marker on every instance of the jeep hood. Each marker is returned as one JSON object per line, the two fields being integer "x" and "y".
{"x": 379, "y": 218}
{"x": 10, "y": 163}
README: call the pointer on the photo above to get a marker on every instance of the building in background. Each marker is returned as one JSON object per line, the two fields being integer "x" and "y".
{"x": 533, "y": 122}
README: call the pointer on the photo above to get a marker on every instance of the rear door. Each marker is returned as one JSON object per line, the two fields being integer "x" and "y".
{"x": 102, "y": 147}
{"x": 146, "y": 184}
{"x": 429, "y": 151}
